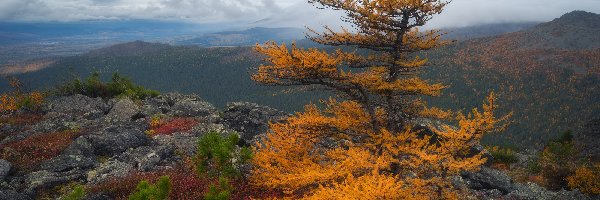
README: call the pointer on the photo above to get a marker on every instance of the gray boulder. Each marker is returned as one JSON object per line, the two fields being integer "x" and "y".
{"x": 4, "y": 169}
{"x": 146, "y": 158}
{"x": 572, "y": 195}
{"x": 111, "y": 168}
{"x": 532, "y": 191}
{"x": 78, "y": 105}
{"x": 115, "y": 140}
{"x": 185, "y": 143}
{"x": 48, "y": 179}
{"x": 193, "y": 106}
{"x": 250, "y": 119}
{"x": 123, "y": 110}
{"x": 62, "y": 121}
{"x": 203, "y": 128}
{"x": 12, "y": 195}
{"x": 66, "y": 162}
{"x": 488, "y": 179}
{"x": 494, "y": 184}
{"x": 155, "y": 106}
{"x": 81, "y": 146}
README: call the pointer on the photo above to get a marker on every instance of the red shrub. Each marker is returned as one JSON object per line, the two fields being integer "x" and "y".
{"x": 120, "y": 188}
{"x": 22, "y": 119}
{"x": 174, "y": 125}
{"x": 25, "y": 154}
{"x": 189, "y": 186}
{"x": 186, "y": 185}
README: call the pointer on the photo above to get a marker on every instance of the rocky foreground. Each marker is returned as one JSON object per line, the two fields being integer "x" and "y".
{"x": 110, "y": 139}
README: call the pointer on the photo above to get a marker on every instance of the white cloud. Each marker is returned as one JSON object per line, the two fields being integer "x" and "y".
{"x": 277, "y": 12}
{"x": 469, "y": 12}
{"x": 202, "y": 11}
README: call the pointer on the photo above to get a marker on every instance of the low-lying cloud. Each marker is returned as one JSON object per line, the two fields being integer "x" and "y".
{"x": 274, "y": 12}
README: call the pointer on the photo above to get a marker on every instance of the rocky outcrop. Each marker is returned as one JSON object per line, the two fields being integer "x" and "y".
{"x": 141, "y": 159}
{"x": 179, "y": 105}
{"x": 488, "y": 179}
{"x": 494, "y": 184}
{"x": 113, "y": 144}
{"x": 250, "y": 119}
{"x": 13, "y": 195}
{"x": 66, "y": 162}
{"x": 47, "y": 179}
{"x": 112, "y": 168}
{"x": 123, "y": 110}
{"x": 533, "y": 191}
{"x": 186, "y": 143}
{"x": 192, "y": 106}
{"x": 147, "y": 158}
{"x": 5, "y": 167}
{"x": 78, "y": 105}
{"x": 117, "y": 139}
{"x": 81, "y": 146}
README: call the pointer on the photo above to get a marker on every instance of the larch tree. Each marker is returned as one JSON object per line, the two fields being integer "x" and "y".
{"x": 364, "y": 146}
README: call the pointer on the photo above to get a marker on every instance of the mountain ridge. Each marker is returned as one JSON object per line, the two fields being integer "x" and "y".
{"x": 578, "y": 18}
{"x": 559, "y": 33}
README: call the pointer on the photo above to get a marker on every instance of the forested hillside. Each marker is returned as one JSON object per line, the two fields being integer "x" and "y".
{"x": 220, "y": 74}
{"x": 547, "y": 75}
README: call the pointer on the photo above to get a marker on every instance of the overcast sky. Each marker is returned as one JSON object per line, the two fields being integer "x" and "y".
{"x": 276, "y": 12}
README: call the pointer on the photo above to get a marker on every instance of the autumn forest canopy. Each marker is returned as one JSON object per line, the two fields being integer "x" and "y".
{"x": 381, "y": 107}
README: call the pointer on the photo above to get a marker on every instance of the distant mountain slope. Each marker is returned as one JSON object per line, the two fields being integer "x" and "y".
{"x": 218, "y": 74}
{"x": 260, "y": 35}
{"x": 570, "y": 42}
{"x": 246, "y": 37}
{"x": 573, "y": 31}
{"x": 485, "y": 30}
{"x": 129, "y": 49}
{"x": 548, "y": 75}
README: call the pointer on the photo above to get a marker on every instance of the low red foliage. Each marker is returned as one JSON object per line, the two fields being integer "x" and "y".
{"x": 22, "y": 119}
{"x": 175, "y": 125}
{"x": 185, "y": 183}
{"x": 25, "y": 154}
